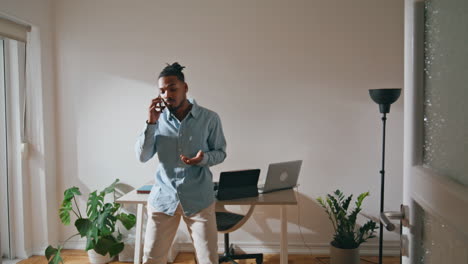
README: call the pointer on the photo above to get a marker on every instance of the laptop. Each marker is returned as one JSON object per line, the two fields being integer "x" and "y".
{"x": 237, "y": 184}
{"x": 282, "y": 175}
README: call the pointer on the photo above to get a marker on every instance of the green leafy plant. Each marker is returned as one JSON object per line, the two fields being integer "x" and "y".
{"x": 347, "y": 234}
{"x": 99, "y": 226}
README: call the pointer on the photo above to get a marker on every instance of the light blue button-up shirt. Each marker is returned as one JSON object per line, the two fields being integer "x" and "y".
{"x": 191, "y": 185}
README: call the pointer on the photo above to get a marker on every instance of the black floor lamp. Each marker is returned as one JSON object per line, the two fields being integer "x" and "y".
{"x": 384, "y": 98}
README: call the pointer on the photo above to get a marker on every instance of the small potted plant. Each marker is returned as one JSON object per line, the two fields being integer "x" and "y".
{"x": 348, "y": 235}
{"x": 98, "y": 227}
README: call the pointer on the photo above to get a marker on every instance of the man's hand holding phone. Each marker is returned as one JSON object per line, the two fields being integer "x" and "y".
{"x": 155, "y": 109}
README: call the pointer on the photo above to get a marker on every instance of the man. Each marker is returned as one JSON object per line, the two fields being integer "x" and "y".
{"x": 188, "y": 139}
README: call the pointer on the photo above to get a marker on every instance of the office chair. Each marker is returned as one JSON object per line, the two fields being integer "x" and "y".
{"x": 228, "y": 222}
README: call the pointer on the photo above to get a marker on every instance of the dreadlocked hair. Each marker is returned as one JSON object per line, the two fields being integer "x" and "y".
{"x": 174, "y": 69}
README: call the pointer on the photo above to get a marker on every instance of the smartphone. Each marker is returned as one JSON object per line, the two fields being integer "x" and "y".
{"x": 161, "y": 105}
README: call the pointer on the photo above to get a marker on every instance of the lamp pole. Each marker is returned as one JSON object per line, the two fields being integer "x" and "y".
{"x": 382, "y": 186}
{"x": 384, "y": 98}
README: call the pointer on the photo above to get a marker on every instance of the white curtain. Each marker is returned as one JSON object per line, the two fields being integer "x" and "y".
{"x": 34, "y": 146}
{"x": 30, "y": 211}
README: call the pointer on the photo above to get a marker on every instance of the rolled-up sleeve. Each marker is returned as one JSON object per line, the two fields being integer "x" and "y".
{"x": 216, "y": 144}
{"x": 145, "y": 147}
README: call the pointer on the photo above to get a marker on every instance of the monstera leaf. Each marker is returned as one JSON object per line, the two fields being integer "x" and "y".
{"x": 110, "y": 188}
{"x": 53, "y": 255}
{"x": 90, "y": 243}
{"x": 66, "y": 207}
{"x": 64, "y": 213}
{"x": 94, "y": 205}
{"x": 106, "y": 221}
{"x": 84, "y": 226}
{"x": 116, "y": 248}
{"x": 128, "y": 220}
{"x": 108, "y": 244}
{"x": 71, "y": 192}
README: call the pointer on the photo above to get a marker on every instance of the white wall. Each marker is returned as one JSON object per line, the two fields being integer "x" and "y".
{"x": 289, "y": 79}
{"x": 41, "y": 226}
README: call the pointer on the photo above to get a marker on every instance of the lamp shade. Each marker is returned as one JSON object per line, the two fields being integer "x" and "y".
{"x": 385, "y": 97}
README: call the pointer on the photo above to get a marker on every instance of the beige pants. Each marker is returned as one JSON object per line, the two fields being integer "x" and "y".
{"x": 161, "y": 230}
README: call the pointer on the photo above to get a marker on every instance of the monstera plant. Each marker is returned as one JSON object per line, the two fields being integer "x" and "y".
{"x": 99, "y": 227}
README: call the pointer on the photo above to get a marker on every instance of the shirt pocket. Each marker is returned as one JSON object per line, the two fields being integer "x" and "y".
{"x": 166, "y": 148}
{"x": 195, "y": 142}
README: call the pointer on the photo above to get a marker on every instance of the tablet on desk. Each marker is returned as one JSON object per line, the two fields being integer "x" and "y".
{"x": 237, "y": 184}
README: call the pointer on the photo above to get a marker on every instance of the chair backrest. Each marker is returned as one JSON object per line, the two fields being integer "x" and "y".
{"x": 221, "y": 209}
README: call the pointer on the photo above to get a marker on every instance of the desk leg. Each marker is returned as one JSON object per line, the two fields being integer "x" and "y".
{"x": 138, "y": 235}
{"x": 284, "y": 236}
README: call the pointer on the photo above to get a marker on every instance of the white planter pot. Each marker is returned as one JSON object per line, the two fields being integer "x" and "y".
{"x": 344, "y": 256}
{"x": 95, "y": 258}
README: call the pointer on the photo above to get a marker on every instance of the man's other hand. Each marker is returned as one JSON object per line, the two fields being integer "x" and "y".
{"x": 192, "y": 161}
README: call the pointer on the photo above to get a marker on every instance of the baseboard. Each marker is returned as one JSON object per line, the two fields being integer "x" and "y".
{"x": 39, "y": 251}
{"x": 75, "y": 244}
{"x": 391, "y": 248}
{"x": 81, "y": 244}
{"x": 10, "y": 261}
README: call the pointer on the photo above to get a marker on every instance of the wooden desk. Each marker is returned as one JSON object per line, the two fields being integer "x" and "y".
{"x": 278, "y": 198}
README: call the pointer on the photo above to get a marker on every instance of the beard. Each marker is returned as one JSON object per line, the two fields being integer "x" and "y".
{"x": 174, "y": 108}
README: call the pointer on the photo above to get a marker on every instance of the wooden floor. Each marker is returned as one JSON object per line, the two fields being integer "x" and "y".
{"x": 81, "y": 257}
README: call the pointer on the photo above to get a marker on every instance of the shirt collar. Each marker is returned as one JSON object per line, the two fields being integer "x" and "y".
{"x": 195, "y": 108}
{"x": 195, "y": 111}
